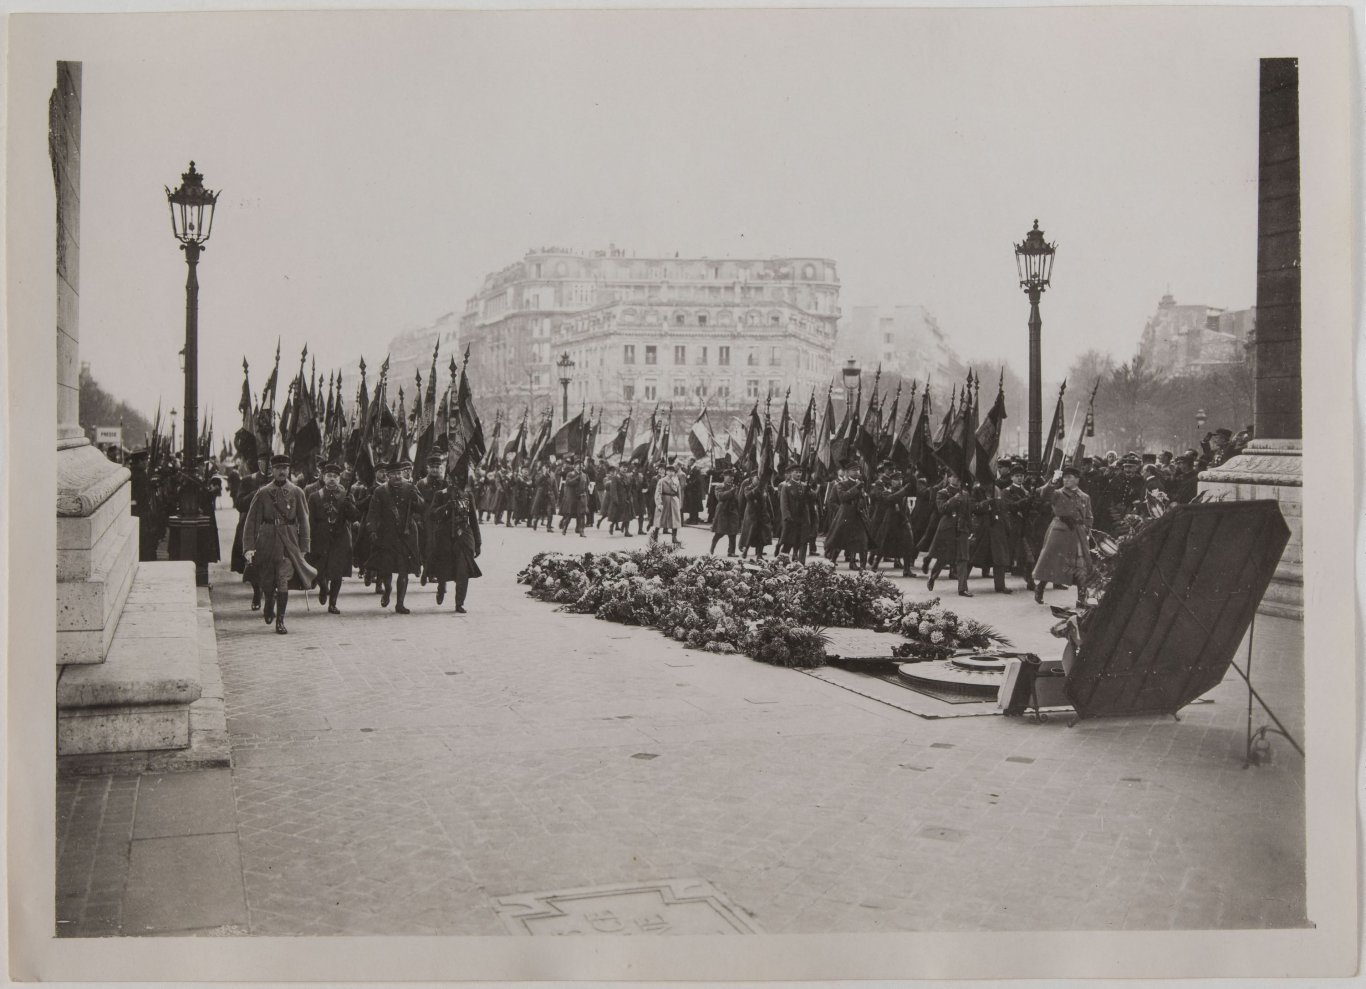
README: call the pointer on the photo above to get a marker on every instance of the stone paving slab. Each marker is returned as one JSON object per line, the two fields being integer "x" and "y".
{"x": 184, "y": 883}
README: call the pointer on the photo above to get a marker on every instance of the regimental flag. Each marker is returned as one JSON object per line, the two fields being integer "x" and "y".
{"x": 989, "y": 435}
{"x": 890, "y": 428}
{"x": 967, "y": 437}
{"x": 569, "y": 437}
{"x": 946, "y": 448}
{"x": 466, "y": 436}
{"x": 921, "y": 449}
{"x": 245, "y": 439}
{"x": 662, "y": 451}
{"x": 400, "y": 449}
{"x": 641, "y": 453}
{"x": 617, "y": 447}
{"x": 872, "y": 415}
{"x": 426, "y": 425}
{"x": 701, "y": 442}
{"x": 494, "y": 456}
{"x": 807, "y": 432}
{"x": 590, "y": 432}
{"x": 516, "y": 447}
{"x": 821, "y": 458}
{"x": 541, "y": 447}
{"x": 1052, "y": 448}
{"x": 749, "y": 453}
{"x": 900, "y": 450}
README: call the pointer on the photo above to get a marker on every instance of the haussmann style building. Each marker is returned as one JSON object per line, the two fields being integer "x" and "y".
{"x": 641, "y": 330}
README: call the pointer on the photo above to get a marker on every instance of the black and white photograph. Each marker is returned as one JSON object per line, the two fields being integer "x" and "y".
{"x": 770, "y": 475}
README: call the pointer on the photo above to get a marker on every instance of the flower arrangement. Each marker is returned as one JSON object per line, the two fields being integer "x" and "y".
{"x": 774, "y": 610}
{"x": 934, "y": 632}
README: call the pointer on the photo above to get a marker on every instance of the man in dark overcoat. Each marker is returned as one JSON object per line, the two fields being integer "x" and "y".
{"x": 796, "y": 505}
{"x": 725, "y": 518}
{"x": 954, "y": 533}
{"x": 331, "y": 512}
{"x": 393, "y": 525}
{"x": 453, "y": 542}
{"x": 573, "y": 498}
{"x": 849, "y": 521}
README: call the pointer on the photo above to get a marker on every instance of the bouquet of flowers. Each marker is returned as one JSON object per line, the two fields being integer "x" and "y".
{"x": 934, "y": 632}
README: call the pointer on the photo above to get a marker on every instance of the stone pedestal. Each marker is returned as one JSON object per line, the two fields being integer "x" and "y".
{"x": 1270, "y": 469}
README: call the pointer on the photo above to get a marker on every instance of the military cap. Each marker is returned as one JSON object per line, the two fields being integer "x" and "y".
{"x": 435, "y": 460}
{"x": 280, "y": 460}
{"x": 404, "y": 464}
{"x": 330, "y": 468}
{"x": 1222, "y": 431}
{"x": 139, "y": 454}
{"x": 1150, "y": 458}
{"x": 1069, "y": 469}
{"x": 1017, "y": 469}
{"x": 1130, "y": 458}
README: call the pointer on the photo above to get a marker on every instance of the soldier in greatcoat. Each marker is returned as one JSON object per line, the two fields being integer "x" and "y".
{"x": 393, "y": 525}
{"x": 621, "y": 495}
{"x": 542, "y": 497}
{"x": 756, "y": 517}
{"x": 849, "y": 521}
{"x": 990, "y": 547}
{"x": 797, "y": 514}
{"x": 573, "y": 498}
{"x": 725, "y": 519}
{"x": 1020, "y": 504}
{"x": 892, "y": 538}
{"x": 1066, "y": 554}
{"x": 331, "y": 512}
{"x": 668, "y": 504}
{"x": 954, "y": 532}
{"x": 277, "y": 534}
{"x": 453, "y": 542}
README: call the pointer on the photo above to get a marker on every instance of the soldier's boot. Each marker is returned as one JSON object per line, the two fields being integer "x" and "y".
{"x": 1029, "y": 581}
{"x": 440, "y": 591}
{"x": 384, "y": 587}
{"x": 714, "y": 540}
{"x": 999, "y": 581}
{"x": 367, "y": 578}
{"x": 934, "y": 575}
{"x": 1038, "y": 591}
{"x": 963, "y": 591}
{"x": 255, "y": 596}
{"x": 332, "y": 591}
{"x": 462, "y": 586}
{"x": 402, "y": 592}
{"x": 281, "y": 599}
{"x": 322, "y": 591}
{"x": 873, "y": 561}
{"x": 270, "y": 608}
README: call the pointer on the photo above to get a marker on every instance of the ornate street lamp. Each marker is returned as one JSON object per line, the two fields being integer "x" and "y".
{"x": 851, "y": 373}
{"x": 1199, "y": 424}
{"x": 566, "y": 367}
{"x": 1034, "y": 261}
{"x": 192, "y": 208}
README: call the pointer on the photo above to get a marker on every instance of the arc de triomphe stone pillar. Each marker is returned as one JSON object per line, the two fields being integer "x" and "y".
{"x": 1270, "y": 465}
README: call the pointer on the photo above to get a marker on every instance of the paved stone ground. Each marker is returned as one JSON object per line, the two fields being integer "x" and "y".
{"x": 400, "y": 774}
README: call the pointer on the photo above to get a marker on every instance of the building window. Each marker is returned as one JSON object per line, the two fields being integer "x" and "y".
{"x": 650, "y": 354}
{"x": 700, "y": 391}
{"x": 680, "y": 355}
{"x": 723, "y": 356}
{"x": 701, "y": 319}
{"x": 680, "y": 319}
{"x": 752, "y": 388}
{"x": 774, "y": 319}
{"x": 774, "y": 357}
{"x": 723, "y": 391}
{"x": 752, "y": 358}
{"x": 702, "y": 357}
{"x": 628, "y": 392}
{"x": 680, "y": 389}
{"x": 628, "y": 353}
{"x": 773, "y": 388}
{"x": 886, "y": 338}
{"x": 651, "y": 391}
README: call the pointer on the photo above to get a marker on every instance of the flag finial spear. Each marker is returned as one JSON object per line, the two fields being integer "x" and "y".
{"x": 244, "y": 364}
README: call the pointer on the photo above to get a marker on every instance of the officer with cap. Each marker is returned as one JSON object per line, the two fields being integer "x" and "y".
{"x": 330, "y": 514}
{"x": 1066, "y": 554}
{"x": 277, "y": 534}
{"x": 393, "y": 524}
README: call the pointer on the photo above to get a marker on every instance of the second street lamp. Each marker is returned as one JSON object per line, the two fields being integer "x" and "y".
{"x": 192, "y": 207}
{"x": 851, "y": 373}
{"x": 1034, "y": 261}
{"x": 566, "y": 367}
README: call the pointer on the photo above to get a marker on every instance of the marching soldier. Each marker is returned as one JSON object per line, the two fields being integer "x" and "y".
{"x": 573, "y": 498}
{"x": 1020, "y": 501}
{"x": 954, "y": 532}
{"x": 453, "y": 542}
{"x": 393, "y": 525}
{"x": 990, "y": 544}
{"x": 331, "y": 512}
{"x": 241, "y": 500}
{"x": 277, "y": 533}
{"x": 725, "y": 518}
{"x": 797, "y": 513}
{"x": 1066, "y": 554}
{"x": 892, "y": 535}
{"x": 848, "y": 521}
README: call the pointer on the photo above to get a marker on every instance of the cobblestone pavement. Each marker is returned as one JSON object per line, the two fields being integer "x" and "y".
{"x": 401, "y": 774}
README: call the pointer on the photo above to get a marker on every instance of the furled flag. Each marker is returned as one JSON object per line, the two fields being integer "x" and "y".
{"x": 989, "y": 435}
{"x": 754, "y": 431}
{"x": 245, "y": 439}
{"x": 782, "y": 450}
{"x": 495, "y": 451}
{"x": 1052, "y": 448}
{"x": 641, "y": 452}
{"x": 466, "y": 437}
{"x": 822, "y": 457}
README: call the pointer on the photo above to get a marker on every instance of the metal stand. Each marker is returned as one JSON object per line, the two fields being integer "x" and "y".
{"x": 1258, "y": 747}
{"x": 183, "y": 535}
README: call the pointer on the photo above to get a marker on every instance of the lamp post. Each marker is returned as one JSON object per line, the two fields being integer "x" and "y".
{"x": 566, "y": 367}
{"x": 192, "y": 208}
{"x": 851, "y": 373}
{"x": 1034, "y": 262}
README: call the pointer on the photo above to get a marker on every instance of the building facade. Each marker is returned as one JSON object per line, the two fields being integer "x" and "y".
{"x": 677, "y": 331}
{"x": 906, "y": 341}
{"x": 1187, "y": 339}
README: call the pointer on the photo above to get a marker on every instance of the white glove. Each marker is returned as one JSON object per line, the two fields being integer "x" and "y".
{"x": 250, "y": 555}
{"x": 1057, "y": 475}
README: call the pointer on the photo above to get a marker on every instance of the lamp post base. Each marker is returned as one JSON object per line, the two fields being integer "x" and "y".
{"x": 193, "y": 538}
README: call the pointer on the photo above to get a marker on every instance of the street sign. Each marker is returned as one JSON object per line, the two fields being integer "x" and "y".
{"x": 109, "y": 435}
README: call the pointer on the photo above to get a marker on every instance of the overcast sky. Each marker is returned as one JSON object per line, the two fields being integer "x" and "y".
{"x": 374, "y": 168}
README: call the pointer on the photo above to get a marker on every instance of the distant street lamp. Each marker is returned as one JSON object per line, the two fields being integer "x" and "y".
{"x": 1199, "y": 424}
{"x": 566, "y": 367}
{"x": 192, "y": 208}
{"x": 851, "y": 373}
{"x": 1034, "y": 262}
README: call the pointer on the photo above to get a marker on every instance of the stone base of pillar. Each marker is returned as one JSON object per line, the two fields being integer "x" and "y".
{"x": 1270, "y": 469}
